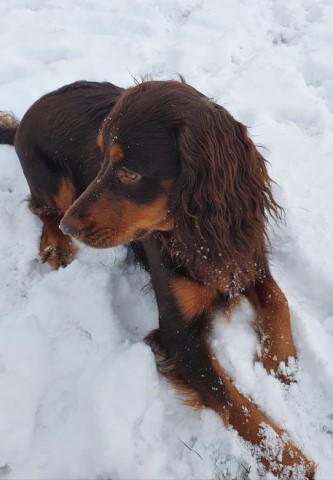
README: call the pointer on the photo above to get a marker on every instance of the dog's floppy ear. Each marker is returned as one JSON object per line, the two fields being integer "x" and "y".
{"x": 223, "y": 192}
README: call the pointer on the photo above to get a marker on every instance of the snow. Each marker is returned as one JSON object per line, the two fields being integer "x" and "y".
{"x": 80, "y": 395}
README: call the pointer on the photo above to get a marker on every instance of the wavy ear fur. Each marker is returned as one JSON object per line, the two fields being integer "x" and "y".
{"x": 223, "y": 196}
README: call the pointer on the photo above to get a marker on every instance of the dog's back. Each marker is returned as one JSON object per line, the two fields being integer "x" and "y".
{"x": 62, "y": 127}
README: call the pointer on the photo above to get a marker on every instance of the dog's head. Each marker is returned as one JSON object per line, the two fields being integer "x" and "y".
{"x": 130, "y": 197}
{"x": 175, "y": 161}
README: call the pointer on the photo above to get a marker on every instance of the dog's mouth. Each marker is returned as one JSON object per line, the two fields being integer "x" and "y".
{"x": 106, "y": 238}
{"x": 100, "y": 237}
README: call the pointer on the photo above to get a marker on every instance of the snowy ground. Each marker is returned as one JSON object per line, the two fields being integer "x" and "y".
{"x": 80, "y": 395}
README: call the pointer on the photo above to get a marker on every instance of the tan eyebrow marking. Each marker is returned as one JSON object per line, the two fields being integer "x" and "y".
{"x": 116, "y": 152}
{"x": 100, "y": 141}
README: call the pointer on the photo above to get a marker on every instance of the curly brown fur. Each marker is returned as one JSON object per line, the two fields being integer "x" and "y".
{"x": 224, "y": 198}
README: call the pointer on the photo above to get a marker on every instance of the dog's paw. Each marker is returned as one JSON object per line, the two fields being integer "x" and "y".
{"x": 56, "y": 248}
{"x": 280, "y": 364}
{"x": 287, "y": 372}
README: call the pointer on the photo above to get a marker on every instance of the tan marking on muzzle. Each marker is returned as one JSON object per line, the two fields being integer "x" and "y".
{"x": 113, "y": 221}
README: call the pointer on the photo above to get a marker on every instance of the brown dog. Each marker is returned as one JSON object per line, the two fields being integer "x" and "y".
{"x": 163, "y": 168}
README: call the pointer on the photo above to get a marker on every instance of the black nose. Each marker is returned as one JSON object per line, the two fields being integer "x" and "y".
{"x": 70, "y": 226}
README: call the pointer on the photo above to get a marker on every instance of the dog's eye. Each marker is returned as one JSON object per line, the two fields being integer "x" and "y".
{"x": 128, "y": 176}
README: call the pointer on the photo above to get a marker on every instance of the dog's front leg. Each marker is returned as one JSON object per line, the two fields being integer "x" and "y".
{"x": 185, "y": 358}
{"x": 273, "y": 321}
